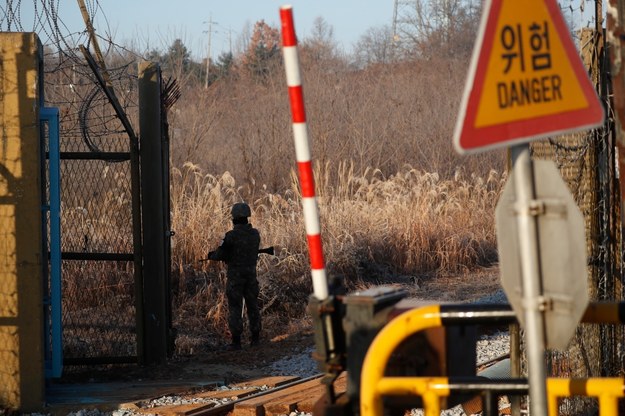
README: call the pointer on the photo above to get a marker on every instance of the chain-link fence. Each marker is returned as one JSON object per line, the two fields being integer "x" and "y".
{"x": 98, "y": 273}
{"x": 587, "y": 164}
{"x": 9, "y": 387}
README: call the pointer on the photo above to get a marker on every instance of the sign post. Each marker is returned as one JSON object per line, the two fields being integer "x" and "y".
{"x": 531, "y": 273}
{"x": 526, "y": 81}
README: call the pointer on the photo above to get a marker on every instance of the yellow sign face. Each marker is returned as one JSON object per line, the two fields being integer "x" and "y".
{"x": 528, "y": 73}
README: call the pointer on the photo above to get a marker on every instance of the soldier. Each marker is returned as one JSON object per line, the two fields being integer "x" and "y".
{"x": 239, "y": 250}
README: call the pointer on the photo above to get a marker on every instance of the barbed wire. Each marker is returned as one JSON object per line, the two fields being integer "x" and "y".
{"x": 98, "y": 189}
{"x": 87, "y": 121}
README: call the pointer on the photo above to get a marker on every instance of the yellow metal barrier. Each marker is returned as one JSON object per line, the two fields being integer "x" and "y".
{"x": 380, "y": 351}
{"x": 607, "y": 390}
{"x": 431, "y": 389}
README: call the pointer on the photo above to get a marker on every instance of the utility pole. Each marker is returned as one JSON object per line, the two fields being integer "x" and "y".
{"x": 208, "y": 57}
{"x": 404, "y": 15}
{"x": 230, "y": 39}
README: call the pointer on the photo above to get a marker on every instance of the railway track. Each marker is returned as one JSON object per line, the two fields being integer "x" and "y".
{"x": 265, "y": 396}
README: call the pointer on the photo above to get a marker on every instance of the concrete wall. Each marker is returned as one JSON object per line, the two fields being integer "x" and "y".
{"x": 21, "y": 293}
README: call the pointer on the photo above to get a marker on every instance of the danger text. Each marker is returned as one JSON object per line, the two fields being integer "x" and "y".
{"x": 529, "y": 91}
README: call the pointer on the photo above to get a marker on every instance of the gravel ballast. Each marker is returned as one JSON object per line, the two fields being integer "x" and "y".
{"x": 489, "y": 347}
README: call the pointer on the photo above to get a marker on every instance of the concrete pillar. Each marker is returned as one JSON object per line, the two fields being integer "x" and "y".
{"x": 21, "y": 251}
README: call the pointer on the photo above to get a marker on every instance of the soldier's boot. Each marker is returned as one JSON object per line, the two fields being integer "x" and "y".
{"x": 235, "y": 345}
{"x": 255, "y": 338}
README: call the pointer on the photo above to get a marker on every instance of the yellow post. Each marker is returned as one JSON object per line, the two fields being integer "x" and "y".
{"x": 21, "y": 292}
{"x": 372, "y": 383}
{"x": 608, "y": 390}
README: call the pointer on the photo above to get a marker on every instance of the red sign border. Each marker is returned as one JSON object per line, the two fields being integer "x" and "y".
{"x": 467, "y": 138}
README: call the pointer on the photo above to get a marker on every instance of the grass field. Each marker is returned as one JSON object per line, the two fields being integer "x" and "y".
{"x": 375, "y": 230}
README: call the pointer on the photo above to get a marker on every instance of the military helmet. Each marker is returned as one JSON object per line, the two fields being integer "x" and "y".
{"x": 241, "y": 210}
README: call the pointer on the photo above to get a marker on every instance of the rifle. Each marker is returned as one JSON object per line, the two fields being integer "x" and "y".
{"x": 267, "y": 250}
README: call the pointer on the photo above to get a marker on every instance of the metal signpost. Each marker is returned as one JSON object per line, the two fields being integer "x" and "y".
{"x": 526, "y": 81}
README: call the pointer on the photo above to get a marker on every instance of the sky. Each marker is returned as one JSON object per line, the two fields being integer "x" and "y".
{"x": 156, "y": 23}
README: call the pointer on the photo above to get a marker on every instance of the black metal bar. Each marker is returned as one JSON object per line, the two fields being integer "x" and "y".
{"x": 109, "y": 326}
{"x": 100, "y": 360}
{"x": 596, "y": 312}
{"x": 110, "y": 94}
{"x": 168, "y": 98}
{"x": 515, "y": 364}
{"x": 494, "y": 314}
{"x": 477, "y": 314}
{"x": 8, "y": 321}
{"x": 69, "y": 255}
{"x": 156, "y": 283}
{"x": 490, "y": 403}
{"x": 115, "y": 156}
{"x": 505, "y": 386}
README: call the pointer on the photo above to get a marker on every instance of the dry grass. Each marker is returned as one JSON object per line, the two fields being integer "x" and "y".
{"x": 375, "y": 230}
{"x": 406, "y": 228}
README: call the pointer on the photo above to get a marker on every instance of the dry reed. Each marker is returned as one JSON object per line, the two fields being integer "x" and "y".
{"x": 375, "y": 230}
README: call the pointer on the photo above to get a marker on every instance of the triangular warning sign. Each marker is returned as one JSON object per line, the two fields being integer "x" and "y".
{"x": 526, "y": 79}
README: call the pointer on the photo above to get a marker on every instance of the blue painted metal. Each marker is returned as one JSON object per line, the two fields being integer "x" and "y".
{"x": 53, "y": 330}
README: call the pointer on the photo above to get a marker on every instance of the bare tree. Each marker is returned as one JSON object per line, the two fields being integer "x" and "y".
{"x": 442, "y": 27}
{"x": 320, "y": 46}
{"x": 196, "y": 117}
{"x": 381, "y": 114}
{"x": 374, "y": 47}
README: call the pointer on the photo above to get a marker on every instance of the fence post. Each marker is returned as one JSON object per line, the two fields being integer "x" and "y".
{"x": 155, "y": 276}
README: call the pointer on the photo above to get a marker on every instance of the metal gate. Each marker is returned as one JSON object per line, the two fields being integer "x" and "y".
{"x": 100, "y": 220}
{"x": 108, "y": 314}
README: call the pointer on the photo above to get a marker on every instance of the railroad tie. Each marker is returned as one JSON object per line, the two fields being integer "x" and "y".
{"x": 276, "y": 403}
{"x": 304, "y": 402}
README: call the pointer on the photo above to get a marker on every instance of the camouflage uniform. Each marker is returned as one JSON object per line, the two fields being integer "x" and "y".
{"x": 239, "y": 250}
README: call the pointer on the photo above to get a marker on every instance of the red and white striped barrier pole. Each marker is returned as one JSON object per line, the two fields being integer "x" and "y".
{"x": 302, "y": 153}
